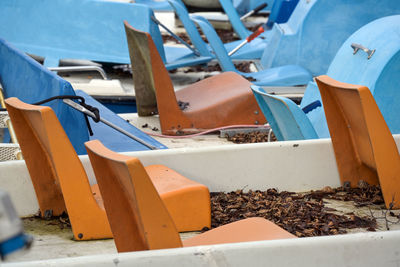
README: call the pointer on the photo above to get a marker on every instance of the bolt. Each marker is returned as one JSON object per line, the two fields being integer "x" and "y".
{"x": 256, "y": 112}
{"x": 256, "y": 122}
{"x": 80, "y": 235}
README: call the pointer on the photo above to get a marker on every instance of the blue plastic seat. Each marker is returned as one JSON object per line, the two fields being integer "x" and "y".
{"x": 252, "y": 51}
{"x": 280, "y": 13}
{"x": 281, "y": 76}
{"x": 380, "y": 73}
{"x": 26, "y": 79}
{"x": 83, "y": 29}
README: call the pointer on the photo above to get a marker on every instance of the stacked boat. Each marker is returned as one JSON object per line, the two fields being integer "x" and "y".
{"x": 104, "y": 183}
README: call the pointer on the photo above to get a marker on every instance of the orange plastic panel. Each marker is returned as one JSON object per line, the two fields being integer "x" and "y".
{"x": 187, "y": 202}
{"x": 224, "y": 99}
{"x": 363, "y": 145}
{"x": 55, "y": 167}
{"x": 251, "y": 229}
{"x": 138, "y": 218}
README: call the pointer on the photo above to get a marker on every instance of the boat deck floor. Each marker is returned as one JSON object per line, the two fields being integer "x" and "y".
{"x": 54, "y": 239}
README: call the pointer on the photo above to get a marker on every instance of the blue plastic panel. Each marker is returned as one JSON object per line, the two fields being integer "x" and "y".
{"x": 81, "y": 29}
{"x": 24, "y": 78}
{"x": 317, "y": 29}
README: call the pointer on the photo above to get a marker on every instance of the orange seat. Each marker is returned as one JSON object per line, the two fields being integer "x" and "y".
{"x": 139, "y": 219}
{"x": 221, "y": 100}
{"x": 363, "y": 145}
{"x": 61, "y": 183}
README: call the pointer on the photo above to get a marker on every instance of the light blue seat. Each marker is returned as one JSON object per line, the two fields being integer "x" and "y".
{"x": 286, "y": 119}
{"x": 83, "y": 29}
{"x": 380, "y": 73}
{"x": 280, "y": 13}
{"x": 281, "y": 76}
{"x": 24, "y": 78}
{"x": 252, "y": 51}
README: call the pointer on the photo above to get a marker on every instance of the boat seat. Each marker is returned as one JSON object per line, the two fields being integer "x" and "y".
{"x": 61, "y": 184}
{"x": 287, "y": 120}
{"x": 363, "y": 145}
{"x": 221, "y": 100}
{"x": 139, "y": 219}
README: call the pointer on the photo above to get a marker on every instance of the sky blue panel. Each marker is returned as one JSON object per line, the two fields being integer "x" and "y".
{"x": 380, "y": 73}
{"x": 82, "y": 29}
{"x": 317, "y": 29}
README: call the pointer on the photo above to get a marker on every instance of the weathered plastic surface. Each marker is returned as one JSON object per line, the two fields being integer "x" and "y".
{"x": 23, "y": 77}
{"x": 253, "y": 50}
{"x": 316, "y": 30}
{"x": 82, "y": 29}
{"x": 380, "y": 73}
{"x": 221, "y": 100}
{"x": 60, "y": 182}
{"x": 286, "y": 119}
{"x": 280, "y": 13}
{"x": 363, "y": 145}
{"x": 288, "y": 75}
{"x": 140, "y": 220}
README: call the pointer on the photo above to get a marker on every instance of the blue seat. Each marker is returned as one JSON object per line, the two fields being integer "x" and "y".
{"x": 280, "y": 13}
{"x": 252, "y": 51}
{"x": 83, "y": 29}
{"x": 24, "y": 78}
{"x": 380, "y": 73}
{"x": 289, "y": 75}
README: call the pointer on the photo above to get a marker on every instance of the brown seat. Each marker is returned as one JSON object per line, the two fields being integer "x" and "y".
{"x": 139, "y": 219}
{"x": 363, "y": 145}
{"x": 221, "y": 100}
{"x": 61, "y": 183}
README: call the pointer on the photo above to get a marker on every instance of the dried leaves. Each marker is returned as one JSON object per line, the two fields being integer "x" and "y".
{"x": 301, "y": 214}
{"x": 252, "y": 137}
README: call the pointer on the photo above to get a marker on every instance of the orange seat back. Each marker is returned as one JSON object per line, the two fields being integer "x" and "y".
{"x": 138, "y": 218}
{"x": 363, "y": 145}
{"x": 56, "y": 172}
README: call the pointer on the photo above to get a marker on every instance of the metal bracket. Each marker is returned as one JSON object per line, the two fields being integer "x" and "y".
{"x": 81, "y": 68}
{"x": 357, "y": 47}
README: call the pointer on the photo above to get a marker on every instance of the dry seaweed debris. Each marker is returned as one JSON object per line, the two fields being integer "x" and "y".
{"x": 251, "y": 137}
{"x": 301, "y": 214}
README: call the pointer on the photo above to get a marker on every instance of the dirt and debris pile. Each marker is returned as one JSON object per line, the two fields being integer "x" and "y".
{"x": 302, "y": 214}
{"x": 252, "y": 137}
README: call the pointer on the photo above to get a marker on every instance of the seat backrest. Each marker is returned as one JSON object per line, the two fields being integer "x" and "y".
{"x": 48, "y": 154}
{"x": 215, "y": 42}
{"x": 363, "y": 145}
{"x": 49, "y": 28}
{"x": 150, "y": 76}
{"x": 234, "y": 18}
{"x": 26, "y": 79}
{"x": 190, "y": 27}
{"x": 138, "y": 218}
{"x": 286, "y": 119}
